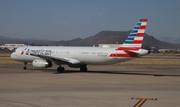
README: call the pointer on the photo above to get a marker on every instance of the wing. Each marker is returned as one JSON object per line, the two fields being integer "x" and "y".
{"x": 62, "y": 60}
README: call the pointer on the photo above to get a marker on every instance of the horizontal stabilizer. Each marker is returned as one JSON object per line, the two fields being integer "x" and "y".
{"x": 132, "y": 54}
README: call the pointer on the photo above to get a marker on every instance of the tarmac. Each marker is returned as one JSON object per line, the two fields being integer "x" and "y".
{"x": 116, "y": 85}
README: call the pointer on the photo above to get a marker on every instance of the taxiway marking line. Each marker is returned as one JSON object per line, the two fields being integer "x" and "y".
{"x": 141, "y": 101}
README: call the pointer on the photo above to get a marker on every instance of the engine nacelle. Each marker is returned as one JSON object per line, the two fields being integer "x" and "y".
{"x": 39, "y": 63}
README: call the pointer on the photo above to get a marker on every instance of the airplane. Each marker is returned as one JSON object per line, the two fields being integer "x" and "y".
{"x": 80, "y": 57}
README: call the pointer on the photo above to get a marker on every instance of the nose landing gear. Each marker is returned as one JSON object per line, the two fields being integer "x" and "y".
{"x": 24, "y": 66}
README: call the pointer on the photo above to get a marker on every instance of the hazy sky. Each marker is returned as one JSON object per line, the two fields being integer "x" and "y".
{"x": 69, "y": 19}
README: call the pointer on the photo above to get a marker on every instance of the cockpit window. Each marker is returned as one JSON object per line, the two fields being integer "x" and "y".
{"x": 14, "y": 50}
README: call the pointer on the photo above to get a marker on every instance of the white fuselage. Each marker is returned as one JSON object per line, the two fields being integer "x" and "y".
{"x": 86, "y": 55}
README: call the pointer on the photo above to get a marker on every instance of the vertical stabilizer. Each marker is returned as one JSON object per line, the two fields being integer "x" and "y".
{"x": 134, "y": 40}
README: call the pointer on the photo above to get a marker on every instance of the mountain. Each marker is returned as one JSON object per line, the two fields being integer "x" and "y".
{"x": 113, "y": 37}
{"x": 170, "y": 39}
{"x": 103, "y": 37}
{"x": 9, "y": 40}
{"x": 153, "y": 42}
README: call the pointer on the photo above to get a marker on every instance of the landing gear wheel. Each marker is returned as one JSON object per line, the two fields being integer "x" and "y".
{"x": 83, "y": 68}
{"x": 60, "y": 69}
{"x": 24, "y": 66}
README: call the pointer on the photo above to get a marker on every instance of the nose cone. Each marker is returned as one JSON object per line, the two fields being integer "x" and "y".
{"x": 12, "y": 56}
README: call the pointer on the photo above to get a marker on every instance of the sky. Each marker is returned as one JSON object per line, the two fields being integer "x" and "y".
{"x": 70, "y": 19}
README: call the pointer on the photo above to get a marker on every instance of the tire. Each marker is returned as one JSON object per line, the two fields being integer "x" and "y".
{"x": 60, "y": 69}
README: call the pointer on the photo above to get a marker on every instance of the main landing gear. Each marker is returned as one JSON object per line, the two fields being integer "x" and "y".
{"x": 24, "y": 66}
{"x": 83, "y": 68}
{"x": 60, "y": 69}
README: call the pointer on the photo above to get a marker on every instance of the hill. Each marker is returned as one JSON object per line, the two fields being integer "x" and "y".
{"x": 103, "y": 37}
{"x": 112, "y": 37}
{"x": 170, "y": 39}
{"x": 9, "y": 40}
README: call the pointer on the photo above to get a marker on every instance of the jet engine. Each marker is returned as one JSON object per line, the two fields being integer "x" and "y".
{"x": 39, "y": 63}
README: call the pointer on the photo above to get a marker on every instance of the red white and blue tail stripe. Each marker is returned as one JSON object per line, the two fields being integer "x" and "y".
{"x": 134, "y": 41}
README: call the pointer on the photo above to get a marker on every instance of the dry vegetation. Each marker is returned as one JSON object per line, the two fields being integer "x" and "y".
{"x": 5, "y": 59}
{"x": 153, "y": 62}
{"x": 5, "y": 54}
{"x": 9, "y": 61}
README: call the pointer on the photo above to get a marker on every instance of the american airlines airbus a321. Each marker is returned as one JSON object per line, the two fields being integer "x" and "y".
{"x": 80, "y": 57}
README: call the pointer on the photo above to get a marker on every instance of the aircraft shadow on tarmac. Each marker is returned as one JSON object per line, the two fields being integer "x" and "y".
{"x": 133, "y": 72}
{"x": 122, "y": 72}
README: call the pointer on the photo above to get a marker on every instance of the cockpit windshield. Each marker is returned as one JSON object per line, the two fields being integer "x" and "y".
{"x": 14, "y": 50}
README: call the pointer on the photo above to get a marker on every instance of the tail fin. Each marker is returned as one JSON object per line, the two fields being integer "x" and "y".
{"x": 134, "y": 40}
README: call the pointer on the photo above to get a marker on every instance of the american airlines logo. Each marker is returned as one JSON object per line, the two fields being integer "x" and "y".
{"x": 36, "y": 52}
{"x": 41, "y": 52}
{"x": 25, "y": 49}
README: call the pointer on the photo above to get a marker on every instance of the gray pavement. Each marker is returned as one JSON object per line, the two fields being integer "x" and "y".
{"x": 101, "y": 86}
